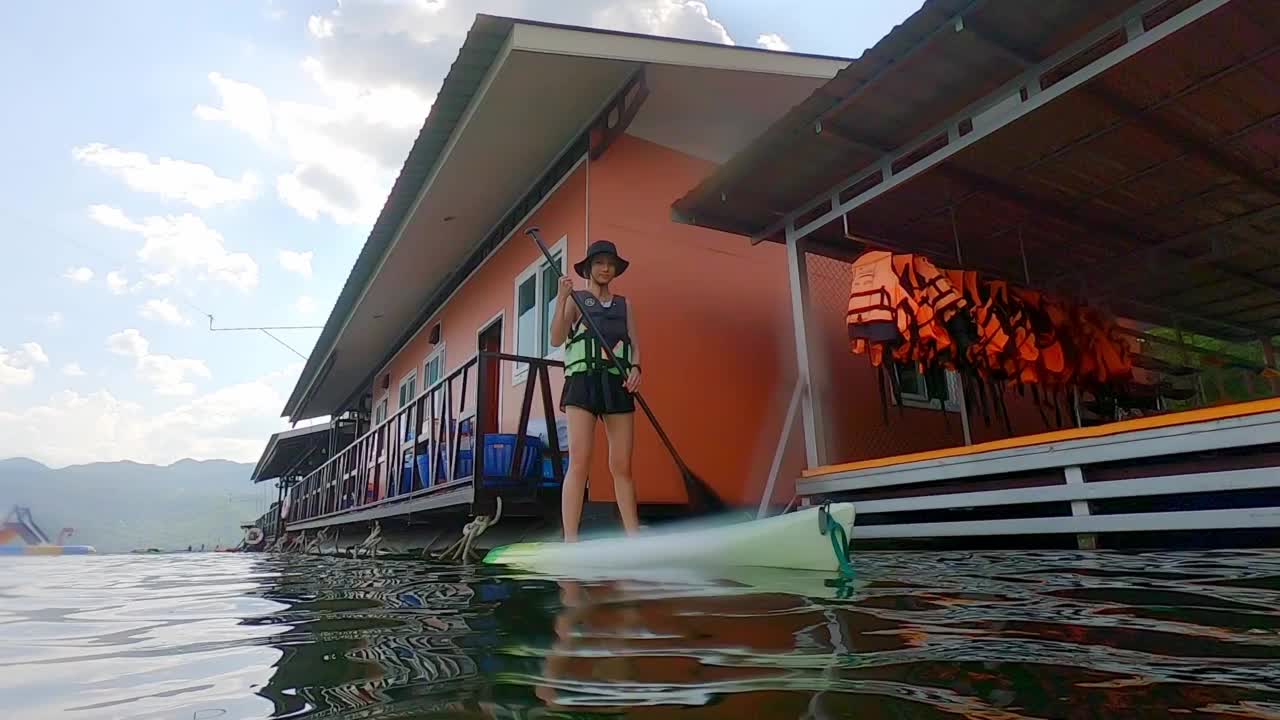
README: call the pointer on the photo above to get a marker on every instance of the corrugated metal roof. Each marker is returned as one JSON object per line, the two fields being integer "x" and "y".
{"x": 473, "y": 63}
{"x": 919, "y": 73}
{"x": 479, "y": 50}
{"x": 1154, "y": 189}
{"x": 293, "y": 452}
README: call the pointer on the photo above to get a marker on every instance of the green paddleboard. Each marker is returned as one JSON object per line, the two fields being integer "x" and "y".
{"x": 792, "y": 541}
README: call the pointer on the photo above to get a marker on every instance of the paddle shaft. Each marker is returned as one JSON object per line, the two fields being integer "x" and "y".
{"x": 591, "y": 325}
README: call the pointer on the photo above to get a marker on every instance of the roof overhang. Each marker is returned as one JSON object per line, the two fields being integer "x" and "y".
{"x": 293, "y": 453}
{"x": 1068, "y": 144}
{"x": 517, "y": 99}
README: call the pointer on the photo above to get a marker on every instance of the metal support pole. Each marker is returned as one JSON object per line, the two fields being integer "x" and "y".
{"x": 1269, "y": 358}
{"x": 1022, "y": 250}
{"x": 1185, "y": 360}
{"x": 781, "y": 450}
{"x": 955, "y": 234}
{"x": 964, "y": 410}
{"x": 959, "y": 384}
{"x": 815, "y": 439}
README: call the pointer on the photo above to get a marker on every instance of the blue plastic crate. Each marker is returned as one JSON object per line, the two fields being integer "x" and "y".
{"x": 406, "y": 476}
{"x": 548, "y": 469}
{"x": 498, "y": 451}
{"x": 424, "y": 468}
{"x": 464, "y": 468}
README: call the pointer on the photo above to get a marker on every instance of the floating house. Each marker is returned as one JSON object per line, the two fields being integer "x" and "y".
{"x": 435, "y": 361}
{"x": 1122, "y": 154}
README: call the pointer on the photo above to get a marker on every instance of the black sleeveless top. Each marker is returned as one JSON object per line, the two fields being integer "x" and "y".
{"x": 611, "y": 320}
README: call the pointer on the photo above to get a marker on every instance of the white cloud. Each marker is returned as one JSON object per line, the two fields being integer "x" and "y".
{"x": 773, "y": 41}
{"x": 244, "y": 107}
{"x": 231, "y": 422}
{"x": 112, "y": 217}
{"x": 54, "y": 320}
{"x": 189, "y": 182}
{"x": 18, "y": 367}
{"x": 73, "y": 370}
{"x": 165, "y": 374}
{"x": 35, "y": 353}
{"x": 321, "y": 27}
{"x": 160, "y": 279}
{"x": 689, "y": 19}
{"x": 163, "y": 310}
{"x": 305, "y": 305}
{"x": 341, "y": 150}
{"x": 117, "y": 283}
{"x": 296, "y": 262}
{"x": 183, "y": 243}
{"x": 80, "y": 275}
{"x": 378, "y": 66}
{"x": 169, "y": 375}
{"x": 128, "y": 343}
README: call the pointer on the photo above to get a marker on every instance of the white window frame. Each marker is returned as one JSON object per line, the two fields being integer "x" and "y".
{"x": 436, "y": 354}
{"x": 923, "y": 402}
{"x": 383, "y": 401}
{"x": 402, "y": 401}
{"x": 520, "y": 371}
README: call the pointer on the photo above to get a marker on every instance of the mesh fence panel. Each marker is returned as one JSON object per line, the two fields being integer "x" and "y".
{"x": 848, "y": 387}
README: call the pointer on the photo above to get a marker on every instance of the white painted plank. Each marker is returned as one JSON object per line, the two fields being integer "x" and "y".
{"x": 1245, "y": 431}
{"x": 1142, "y": 487}
{"x": 1135, "y": 522}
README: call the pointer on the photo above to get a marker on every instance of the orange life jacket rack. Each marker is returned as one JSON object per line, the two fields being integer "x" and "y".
{"x": 994, "y": 333}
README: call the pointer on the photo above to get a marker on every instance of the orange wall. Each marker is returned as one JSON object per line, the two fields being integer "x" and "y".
{"x": 712, "y": 316}
{"x": 488, "y": 292}
{"x": 713, "y": 324}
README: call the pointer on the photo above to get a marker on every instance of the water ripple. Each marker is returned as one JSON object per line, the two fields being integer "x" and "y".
{"x": 960, "y": 634}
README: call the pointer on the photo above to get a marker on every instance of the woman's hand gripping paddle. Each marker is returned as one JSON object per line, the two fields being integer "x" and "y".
{"x": 702, "y": 498}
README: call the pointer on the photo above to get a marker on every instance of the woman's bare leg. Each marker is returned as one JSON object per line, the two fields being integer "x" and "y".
{"x": 621, "y": 432}
{"x": 582, "y": 429}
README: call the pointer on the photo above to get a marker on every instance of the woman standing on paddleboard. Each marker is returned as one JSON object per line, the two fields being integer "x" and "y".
{"x": 594, "y": 388}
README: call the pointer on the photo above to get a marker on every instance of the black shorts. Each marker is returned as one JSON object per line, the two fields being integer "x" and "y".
{"x": 600, "y": 393}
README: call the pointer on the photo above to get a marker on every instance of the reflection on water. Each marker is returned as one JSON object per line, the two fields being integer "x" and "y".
{"x": 980, "y": 635}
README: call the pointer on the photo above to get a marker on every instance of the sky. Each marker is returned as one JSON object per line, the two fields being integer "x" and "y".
{"x": 170, "y": 161}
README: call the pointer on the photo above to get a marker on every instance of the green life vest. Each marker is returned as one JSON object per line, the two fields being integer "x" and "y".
{"x": 584, "y": 353}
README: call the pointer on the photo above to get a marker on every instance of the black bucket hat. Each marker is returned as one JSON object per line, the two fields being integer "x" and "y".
{"x": 601, "y": 247}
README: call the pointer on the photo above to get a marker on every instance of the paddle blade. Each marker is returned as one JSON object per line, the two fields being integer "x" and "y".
{"x": 702, "y": 499}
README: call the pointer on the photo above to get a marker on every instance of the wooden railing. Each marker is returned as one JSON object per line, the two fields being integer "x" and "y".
{"x": 433, "y": 444}
{"x": 268, "y": 521}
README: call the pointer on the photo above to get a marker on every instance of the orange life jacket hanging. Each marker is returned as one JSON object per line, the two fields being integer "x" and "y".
{"x": 902, "y": 306}
{"x": 880, "y": 309}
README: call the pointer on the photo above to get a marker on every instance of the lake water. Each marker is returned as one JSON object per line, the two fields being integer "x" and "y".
{"x": 977, "y": 635}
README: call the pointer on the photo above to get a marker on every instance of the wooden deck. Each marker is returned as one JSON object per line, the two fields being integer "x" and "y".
{"x": 457, "y": 495}
{"x": 427, "y": 459}
{"x": 1210, "y": 469}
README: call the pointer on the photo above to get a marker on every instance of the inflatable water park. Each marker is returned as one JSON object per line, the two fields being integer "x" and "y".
{"x": 20, "y": 535}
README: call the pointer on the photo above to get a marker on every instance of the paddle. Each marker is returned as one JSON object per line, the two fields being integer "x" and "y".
{"x": 701, "y": 497}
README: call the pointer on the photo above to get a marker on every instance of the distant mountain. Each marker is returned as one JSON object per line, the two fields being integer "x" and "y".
{"x": 120, "y": 506}
{"x": 21, "y": 464}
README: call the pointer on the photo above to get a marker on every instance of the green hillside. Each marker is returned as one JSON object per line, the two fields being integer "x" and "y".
{"x": 121, "y": 506}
